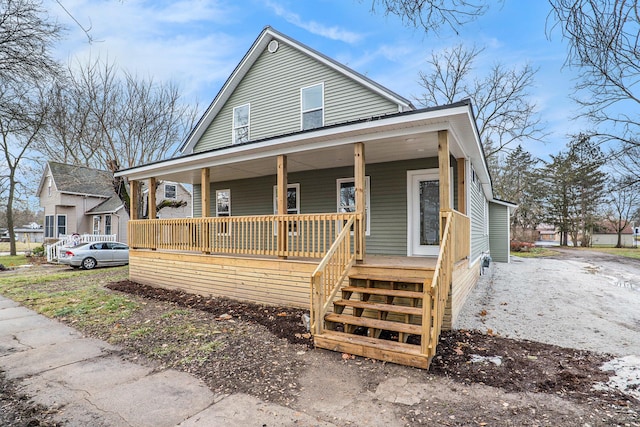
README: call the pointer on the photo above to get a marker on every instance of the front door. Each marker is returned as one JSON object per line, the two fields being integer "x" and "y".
{"x": 423, "y": 212}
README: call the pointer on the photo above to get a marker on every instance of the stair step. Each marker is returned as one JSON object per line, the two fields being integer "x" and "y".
{"x": 374, "y": 323}
{"x": 382, "y": 291}
{"x": 381, "y": 277}
{"x": 402, "y": 309}
{"x": 391, "y": 351}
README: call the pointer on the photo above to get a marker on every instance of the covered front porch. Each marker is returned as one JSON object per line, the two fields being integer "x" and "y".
{"x": 361, "y": 257}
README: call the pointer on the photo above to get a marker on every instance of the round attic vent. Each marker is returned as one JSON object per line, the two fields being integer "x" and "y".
{"x": 273, "y": 46}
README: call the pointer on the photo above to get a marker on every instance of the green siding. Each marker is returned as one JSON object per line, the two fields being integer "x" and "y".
{"x": 388, "y": 187}
{"x": 477, "y": 213}
{"x": 499, "y": 232}
{"x": 272, "y": 88}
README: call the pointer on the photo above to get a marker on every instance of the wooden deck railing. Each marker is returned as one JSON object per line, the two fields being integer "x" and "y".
{"x": 460, "y": 235}
{"x": 436, "y": 290}
{"x": 309, "y": 235}
{"x": 328, "y": 277}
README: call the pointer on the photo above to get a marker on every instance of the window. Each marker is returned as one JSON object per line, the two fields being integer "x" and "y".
{"x": 223, "y": 202}
{"x": 170, "y": 191}
{"x": 49, "y": 187}
{"x": 107, "y": 224}
{"x": 48, "y": 226}
{"x": 96, "y": 225}
{"x": 293, "y": 205}
{"x": 62, "y": 225}
{"x": 241, "y": 124}
{"x": 312, "y": 100}
{"x": 346, "y": 193}
{"x": 293, "y": 199}
{"x": 223, "y": 209}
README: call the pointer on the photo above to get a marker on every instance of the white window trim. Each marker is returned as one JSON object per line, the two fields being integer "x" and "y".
{"x": 110, "y": 224}
{"x": 275, "y": 205}
{"x": 49, "y": 187}
{"x": 227, "y": 190}
{"x": 367, "y": 195}
{"x": 96, "y": 219}
{"x": 175, "y": 192}
{"x": 233, "y": 123}
{"x": 52, "y": 226}
{"x": 56, "y": 226}
{"x": 302, "y": 110}
{"x": 275, "y": 198}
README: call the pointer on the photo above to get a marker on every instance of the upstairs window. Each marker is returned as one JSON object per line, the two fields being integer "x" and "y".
{"x": 312, "y": 100}
{"x": 241, "y": 124}
{"x": 170, "y": 191}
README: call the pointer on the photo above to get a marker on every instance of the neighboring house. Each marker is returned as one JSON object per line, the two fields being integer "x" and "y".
{"x": 78, "y": 199}
{"x": 82, "y": 200}
{"x": 306, "y": 172}
{"x": 30, "y": 233}
{"x": 606, "y": 235}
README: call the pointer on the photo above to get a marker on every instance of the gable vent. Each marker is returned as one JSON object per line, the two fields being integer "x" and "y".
{"x": 273, "y": 46}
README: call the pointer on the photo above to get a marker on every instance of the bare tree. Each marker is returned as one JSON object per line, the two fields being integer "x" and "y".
{"x": 622, "y": 204}
{"x": 107, "y": 118}
{"x": 26, "y": 40}
{"x": 431, "y": 15}
{"x": 22, "y": 121}
{"x": 26, "y": 67}
{"x": 603, "y": 37}
{"x": 503, "y": 107}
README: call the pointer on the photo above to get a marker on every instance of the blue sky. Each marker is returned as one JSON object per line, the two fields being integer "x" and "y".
{"x": 197, "y": 43}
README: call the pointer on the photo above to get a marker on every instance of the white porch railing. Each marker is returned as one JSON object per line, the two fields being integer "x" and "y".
{"x": 70, "y": 240}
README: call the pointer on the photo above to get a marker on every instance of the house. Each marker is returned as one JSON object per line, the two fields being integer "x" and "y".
{"x": 605, "y": 234}
{"x": 318, "y": 188}
{"x": 30, "y": 233}
{"x": 81, "y": 200}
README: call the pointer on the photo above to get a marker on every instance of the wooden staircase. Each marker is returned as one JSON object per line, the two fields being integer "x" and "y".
{"x": 379, "y": 315}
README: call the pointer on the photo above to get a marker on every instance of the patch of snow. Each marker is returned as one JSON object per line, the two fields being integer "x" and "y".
{"x": 626, "y": 378}
{"x": 496, "y": 360}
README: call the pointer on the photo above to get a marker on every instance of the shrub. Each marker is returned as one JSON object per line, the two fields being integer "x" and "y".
{"x": 518, "y": 246}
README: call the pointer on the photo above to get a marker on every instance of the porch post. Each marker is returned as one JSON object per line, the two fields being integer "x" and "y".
{"x": 283, "y": 232}
{"x": 133, "y": 200}
{"x": 205, "y": 198}
{"x": 361, "y": 200}
{"x": 151, "y": 201}
{"x": 444, "y": 167}
{"x": 462, "y": 179}
{"x": 205, "y": 176}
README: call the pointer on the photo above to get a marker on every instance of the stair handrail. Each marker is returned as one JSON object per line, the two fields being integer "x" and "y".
{"x": 436, "y": 292}
{"x": 341, "y": 256}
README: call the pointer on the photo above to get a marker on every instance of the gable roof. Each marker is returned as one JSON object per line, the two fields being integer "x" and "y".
{"x": 111, "y": 205}
{"x": 266, "y": 36}
{"x": 72, "y": 179}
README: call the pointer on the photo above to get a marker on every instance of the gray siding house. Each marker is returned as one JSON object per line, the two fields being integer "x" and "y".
{"x": 305, "y": 172}
{"x": 78, "y": 199}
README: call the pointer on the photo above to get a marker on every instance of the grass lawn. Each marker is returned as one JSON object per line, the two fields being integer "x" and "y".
{"x": 13, "y": 261}
{"x": 535, "y": 253}
{"x": 60, "y": 292}
{"x": 20, "y": 247}
{"x": 625, "y": 252}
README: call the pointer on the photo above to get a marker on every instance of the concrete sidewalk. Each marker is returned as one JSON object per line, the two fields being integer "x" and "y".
{"x": 89, "y": 383}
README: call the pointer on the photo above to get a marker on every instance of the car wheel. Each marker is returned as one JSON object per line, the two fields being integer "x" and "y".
{"x": 88, "y": 263}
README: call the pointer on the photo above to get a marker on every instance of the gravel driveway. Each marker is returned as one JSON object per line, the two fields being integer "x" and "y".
{"x": 579, "y": 299}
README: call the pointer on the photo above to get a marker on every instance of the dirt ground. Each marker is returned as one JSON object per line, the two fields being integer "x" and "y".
{"x": 479, "y": 379}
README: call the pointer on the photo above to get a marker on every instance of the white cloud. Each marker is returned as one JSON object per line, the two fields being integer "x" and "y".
{"x": 333, "y": 33}
{"x": 161, "y": 41}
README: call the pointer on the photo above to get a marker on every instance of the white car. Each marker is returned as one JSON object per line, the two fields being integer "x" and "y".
{"x": 94, "y": 254}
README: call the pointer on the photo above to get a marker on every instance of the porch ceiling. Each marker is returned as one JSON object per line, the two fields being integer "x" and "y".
{"x": 385, "y": 150}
